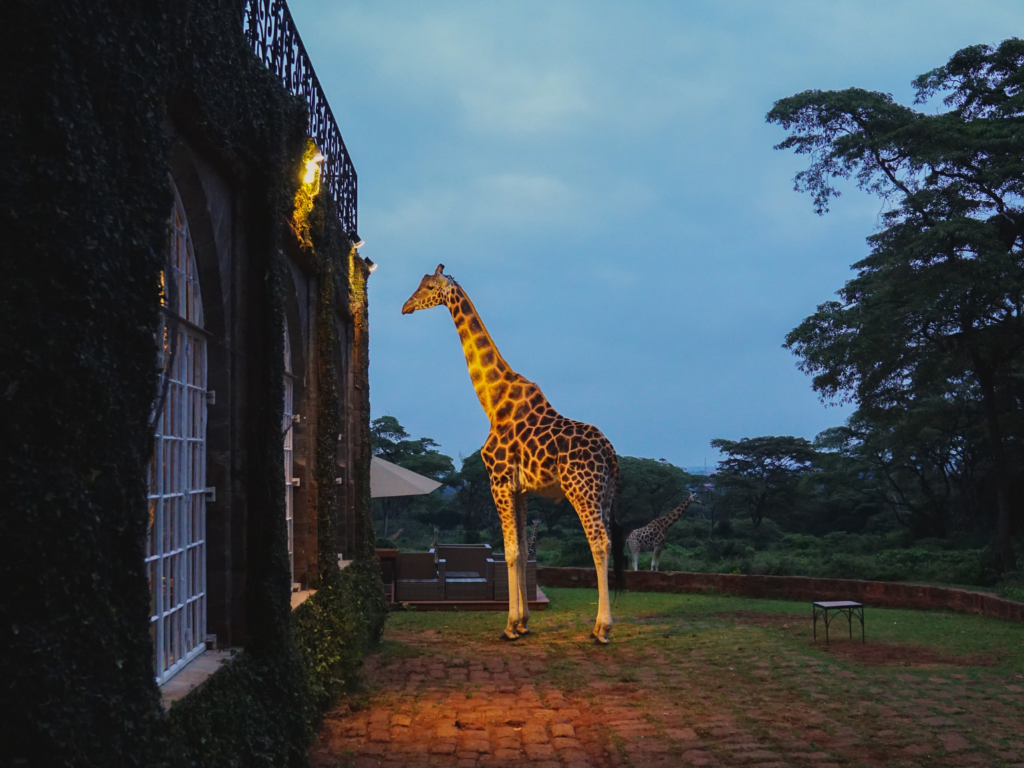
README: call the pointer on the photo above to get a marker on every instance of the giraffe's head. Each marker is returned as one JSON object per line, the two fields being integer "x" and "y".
{"x": 433, "y": 290}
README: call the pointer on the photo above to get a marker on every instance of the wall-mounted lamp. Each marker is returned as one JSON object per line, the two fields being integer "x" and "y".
{"x": 311, "y": 166}
{"x": 371, "y": 265}
{"x": 358, "y": 242}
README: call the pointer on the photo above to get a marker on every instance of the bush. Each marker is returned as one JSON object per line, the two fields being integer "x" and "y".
{"x": 800, "y": 542}
{"x": 1012, "y": 586}
{"x": 575, "y": 553}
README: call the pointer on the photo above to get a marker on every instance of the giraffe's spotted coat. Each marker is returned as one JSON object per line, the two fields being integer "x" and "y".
{"x": 531, "y": 448}
{"x": 652, "y": 536}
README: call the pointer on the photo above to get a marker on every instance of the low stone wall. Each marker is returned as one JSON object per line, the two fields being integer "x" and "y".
{"x": 799, "y": 588}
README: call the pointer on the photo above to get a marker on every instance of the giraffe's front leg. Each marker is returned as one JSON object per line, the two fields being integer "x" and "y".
{"x": 634, "y": 549}
{"x": 504, "y": 502}
{"x": 656, "y": 557}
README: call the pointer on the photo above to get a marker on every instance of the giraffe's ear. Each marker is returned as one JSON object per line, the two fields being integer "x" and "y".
{"x": 439, "y": 270}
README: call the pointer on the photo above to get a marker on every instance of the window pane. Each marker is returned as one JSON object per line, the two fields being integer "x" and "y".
{"x": 177, "y": 504}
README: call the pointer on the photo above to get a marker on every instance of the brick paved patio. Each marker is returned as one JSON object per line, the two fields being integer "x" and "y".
{"x": 672, "y": 690}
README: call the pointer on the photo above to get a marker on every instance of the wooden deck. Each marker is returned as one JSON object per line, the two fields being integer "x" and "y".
{"x": 472, "y": 605}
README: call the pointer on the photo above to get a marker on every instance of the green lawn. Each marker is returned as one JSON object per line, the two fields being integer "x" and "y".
{"x": 681, "y": 623}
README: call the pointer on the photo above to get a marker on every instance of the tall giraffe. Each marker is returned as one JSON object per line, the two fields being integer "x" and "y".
{"x": 532, "y": 448}
{"x": 652, "y": 535}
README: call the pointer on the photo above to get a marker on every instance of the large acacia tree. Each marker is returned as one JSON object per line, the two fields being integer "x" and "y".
{"x": 941, "y": 294}
{"x": 760, "y": 473}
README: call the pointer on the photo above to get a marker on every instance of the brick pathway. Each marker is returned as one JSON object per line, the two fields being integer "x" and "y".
{"x": 758, "y": 702}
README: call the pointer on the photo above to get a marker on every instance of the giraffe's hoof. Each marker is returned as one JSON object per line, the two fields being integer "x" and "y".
{"x": 601, "y": 640}
{"x": 523, "y": 631}
{"x": 504, "y": 636}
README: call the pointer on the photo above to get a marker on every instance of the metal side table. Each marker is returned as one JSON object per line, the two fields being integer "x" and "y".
{"x": 850, "y": 608}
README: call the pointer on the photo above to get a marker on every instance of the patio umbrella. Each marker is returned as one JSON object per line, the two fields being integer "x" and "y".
{"x": 387, "y": 479}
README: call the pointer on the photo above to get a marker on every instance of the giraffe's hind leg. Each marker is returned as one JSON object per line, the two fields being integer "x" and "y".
{"x": 593, "y": 505}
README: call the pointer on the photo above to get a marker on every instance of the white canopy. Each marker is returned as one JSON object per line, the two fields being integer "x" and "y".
{"x": 387, "y": 479}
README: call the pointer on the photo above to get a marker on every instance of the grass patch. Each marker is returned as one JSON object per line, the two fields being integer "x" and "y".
{"x": 679, "y": 624}
{"x": 393, "y": 649}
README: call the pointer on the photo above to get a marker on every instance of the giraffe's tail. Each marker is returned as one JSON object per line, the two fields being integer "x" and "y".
{"x": 618, "y": 550}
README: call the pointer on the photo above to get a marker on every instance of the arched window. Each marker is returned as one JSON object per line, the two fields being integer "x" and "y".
{"x": 289, "y": 449}
{"x": 176, "y": 544}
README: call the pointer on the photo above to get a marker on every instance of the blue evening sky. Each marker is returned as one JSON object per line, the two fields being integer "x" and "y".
{"x": 599, "y": 177}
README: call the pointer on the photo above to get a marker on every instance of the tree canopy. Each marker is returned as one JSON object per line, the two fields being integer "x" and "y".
{"x": 389, "y": 441}
{"x": 939, "y": 299}
{"x": 650, "y": 488}
{"x": 759, "y": 473}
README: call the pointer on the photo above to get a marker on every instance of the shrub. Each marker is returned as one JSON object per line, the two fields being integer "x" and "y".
{"x": 1012, "y": 586}
{"x": 800, "y": 542}
{"x": 575, "y": 552}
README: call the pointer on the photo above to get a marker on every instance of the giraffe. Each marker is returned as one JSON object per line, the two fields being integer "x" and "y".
{"x": 531, "y": 543}
{"x": 437, "y": 538}
{"x": 652, "y": 535}
{"x": 532, "y": 448}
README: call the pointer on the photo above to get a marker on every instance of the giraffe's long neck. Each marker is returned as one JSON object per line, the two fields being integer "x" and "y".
{"x": 667, "y": 521}
{"x": 678, "y": 512}
{"x": 487, "y": 368}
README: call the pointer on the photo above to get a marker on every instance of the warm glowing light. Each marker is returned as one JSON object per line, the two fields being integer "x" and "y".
{"x": 311, "y": 168}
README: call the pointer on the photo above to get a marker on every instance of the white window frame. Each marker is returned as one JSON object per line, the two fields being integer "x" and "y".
{"x": 176, "y": 542}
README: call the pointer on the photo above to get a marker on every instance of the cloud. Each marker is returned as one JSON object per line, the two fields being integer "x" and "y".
{"x": 497, "y": 204}
{"x": 503, "y": 201}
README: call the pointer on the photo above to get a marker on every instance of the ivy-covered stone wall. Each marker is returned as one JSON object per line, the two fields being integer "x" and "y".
{"x": 90, "y": 90}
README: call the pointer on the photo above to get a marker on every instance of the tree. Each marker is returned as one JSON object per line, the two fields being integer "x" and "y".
{"x": 711, "y": 500}
{"x": 389, "y": 441}
{"x": 922, "y": 462}
{"x": 758, "y": 473}
{"x": 472, "y": 502}
{"x": 942, "y": 292}
{"x": 650, "y": 488}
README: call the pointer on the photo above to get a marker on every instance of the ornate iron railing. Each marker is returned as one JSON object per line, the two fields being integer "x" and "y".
{"x": 272, "y": 34}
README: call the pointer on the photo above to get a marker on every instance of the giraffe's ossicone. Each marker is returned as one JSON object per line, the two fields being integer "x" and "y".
{"x": 532, "y": 448}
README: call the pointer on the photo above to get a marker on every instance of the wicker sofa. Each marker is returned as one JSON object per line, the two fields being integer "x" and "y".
{"x": 470, "y": 572}
{"x": 418, "y": 577}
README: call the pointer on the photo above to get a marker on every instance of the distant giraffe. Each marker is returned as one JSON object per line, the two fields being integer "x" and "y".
{"x": 394, "y": 536}
{"x": 652, "y": 536}
{"x": 532, "y": 448}
{"x": 531, "y": 543}
{"x": 437, "y": 539}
